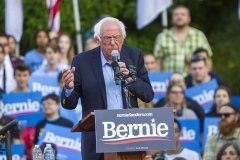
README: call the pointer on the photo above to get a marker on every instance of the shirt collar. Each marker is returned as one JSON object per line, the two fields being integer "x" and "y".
{"x": 190, "y": 32}
{"x": 103, "y": 59}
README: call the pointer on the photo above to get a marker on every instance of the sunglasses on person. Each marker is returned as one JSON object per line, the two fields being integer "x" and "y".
{"x": 195, "y": 58}
{"x": 226, "y": 115}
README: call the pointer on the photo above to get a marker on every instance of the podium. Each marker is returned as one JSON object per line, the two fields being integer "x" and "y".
{"x": 87, "y": 124}
{"x": 126, "y": 134}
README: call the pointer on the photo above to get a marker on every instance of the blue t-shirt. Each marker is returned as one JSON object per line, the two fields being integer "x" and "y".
{"x": 33, "y": 59}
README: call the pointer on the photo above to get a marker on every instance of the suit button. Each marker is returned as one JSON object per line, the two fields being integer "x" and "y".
{"x": 64, "y": 101}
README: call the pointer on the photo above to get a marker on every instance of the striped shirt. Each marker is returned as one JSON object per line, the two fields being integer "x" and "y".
{"x": 174, "y": 53}
{"x": 215, "y": 142}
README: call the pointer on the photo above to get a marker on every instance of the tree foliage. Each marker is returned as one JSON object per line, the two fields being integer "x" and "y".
{"x": 216, "y": 18}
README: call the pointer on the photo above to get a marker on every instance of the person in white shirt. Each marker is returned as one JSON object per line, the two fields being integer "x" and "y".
{"x": 8, "y": 84}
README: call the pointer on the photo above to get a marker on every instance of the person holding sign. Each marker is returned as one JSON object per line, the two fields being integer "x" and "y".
{"x": 199, "y": 72}
{"x": 92, "y": 78}
{"x": 229, "y": 130}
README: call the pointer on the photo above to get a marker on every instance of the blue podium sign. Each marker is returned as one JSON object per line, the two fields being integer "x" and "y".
{"x": 129, "y": 130}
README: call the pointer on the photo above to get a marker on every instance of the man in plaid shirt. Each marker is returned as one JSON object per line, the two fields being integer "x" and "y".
{"x": 174, "y": 46}
{"x": 228, "y": 131}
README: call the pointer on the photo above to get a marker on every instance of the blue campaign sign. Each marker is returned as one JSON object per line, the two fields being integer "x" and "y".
{"x": 210, "y": 128}
{"x": 68, "y": 144}
{"x": 129, "y": 130}
{"x": 17, "y": 152}
{"x": 45, "y": 85}
{"x": 203, "y": 94}
{"x": 25, "y": 107}
{"x": 159, "y": 82}
{"x": 236, "y": 100}
{"x": 190, "y": 134}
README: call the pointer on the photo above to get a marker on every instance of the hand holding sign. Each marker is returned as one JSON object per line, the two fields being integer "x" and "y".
{"x": 68, "y": 77}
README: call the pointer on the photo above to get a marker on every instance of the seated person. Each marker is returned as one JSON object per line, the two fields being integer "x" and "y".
{"x": 222, "y": 96}
{"x": 229, "y": 151}
{"x": 150, "y": 62}
{"x": 191, "y": 104}
{"x": 175, "y": 98}
{"x": 50, "y": 104}
{"x": 199, "y": 72}
{"x": 228, "y": 130}
{"x": 179, "y": 152}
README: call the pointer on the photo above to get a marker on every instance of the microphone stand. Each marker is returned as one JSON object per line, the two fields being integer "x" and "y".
{"x": 8, "y": 146}
{"x": 127, "y": 95}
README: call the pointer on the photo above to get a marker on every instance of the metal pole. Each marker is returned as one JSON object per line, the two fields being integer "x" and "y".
{"x": 164, "y": 19}
{"x": 8, "y": 146}
{"x": 17, "y": 50}
{"x": 77, "y": 26}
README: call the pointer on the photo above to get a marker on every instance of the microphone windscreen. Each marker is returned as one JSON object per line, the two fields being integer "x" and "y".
{"x": 114, "y": 64}
{"x": 114, "y": 53}
{"x": 129, "y": 62}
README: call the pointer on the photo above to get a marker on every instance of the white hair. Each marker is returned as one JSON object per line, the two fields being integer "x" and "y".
{"x": 97, "y": 27}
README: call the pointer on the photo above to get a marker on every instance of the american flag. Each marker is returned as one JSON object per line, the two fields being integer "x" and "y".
{"x": 54, "y": 15}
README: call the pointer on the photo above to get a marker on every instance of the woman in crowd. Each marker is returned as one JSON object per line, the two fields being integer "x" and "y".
{"x": 222, "y": 96}
{"x": 66, "y": 49}
{"x": 229, "y": 151}
{"x": 175, "y": 98}
{"x": 35, "y": 57}
{"x": 12, "y": 49}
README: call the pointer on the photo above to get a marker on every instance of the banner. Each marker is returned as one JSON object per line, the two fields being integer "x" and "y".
{"x": 203, "y": 94}
{"x": 190, "y": 134}
{"x": 148, "y": 10}
{"x": 236, "y": 100}
{"x": 17, "y": 152}
{"x": 159, "y": 82}
{"x": 25, "y": 107}
{"x": 45, "y": 85}
{"x": 210, "y": 128}
{"x": 68, "y": 144}
{"x": 129, "y": 130}
{"x": 14, "y": 18}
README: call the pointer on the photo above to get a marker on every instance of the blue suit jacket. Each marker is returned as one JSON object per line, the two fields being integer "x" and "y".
{"x": 89, "y": 85}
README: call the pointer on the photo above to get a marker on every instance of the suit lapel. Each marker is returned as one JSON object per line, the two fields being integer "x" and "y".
{"x": 97, "y": 68}
{"x": 123, "y": 57}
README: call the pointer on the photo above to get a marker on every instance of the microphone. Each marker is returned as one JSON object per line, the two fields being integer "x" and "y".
{"x": 131, "y": 68}
{"x": 115, "y": 55}
{"x": 117, "y": 72}
{"x": 8, "y": 126}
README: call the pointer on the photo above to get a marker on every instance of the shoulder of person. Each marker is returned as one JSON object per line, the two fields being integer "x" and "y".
{"x": 66, "y": 121}
{"x": 192, "y": 153}
{"x": 31, "y": 52}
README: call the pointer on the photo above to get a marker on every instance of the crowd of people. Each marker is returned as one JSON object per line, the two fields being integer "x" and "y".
{"x": 182, "y": 50}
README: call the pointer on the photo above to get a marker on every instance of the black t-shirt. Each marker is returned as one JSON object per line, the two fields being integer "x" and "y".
{"x": 14, "y": 131}
{"x": 220, "y": 81}
{"x": 40, "y": 126}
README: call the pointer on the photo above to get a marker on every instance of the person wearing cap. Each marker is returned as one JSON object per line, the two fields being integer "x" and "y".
{"x": 228, "y": 130}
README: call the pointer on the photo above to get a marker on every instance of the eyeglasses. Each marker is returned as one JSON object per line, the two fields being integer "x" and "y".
{"x": 196, "y": 58}
{"x": 176, "y": 92}
{"x": 48, "y": 104}
{"x": 109, "y": 39}
{"x": 226, "y": 115}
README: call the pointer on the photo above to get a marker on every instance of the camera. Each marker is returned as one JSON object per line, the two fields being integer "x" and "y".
{"x": 158, "y": 156}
